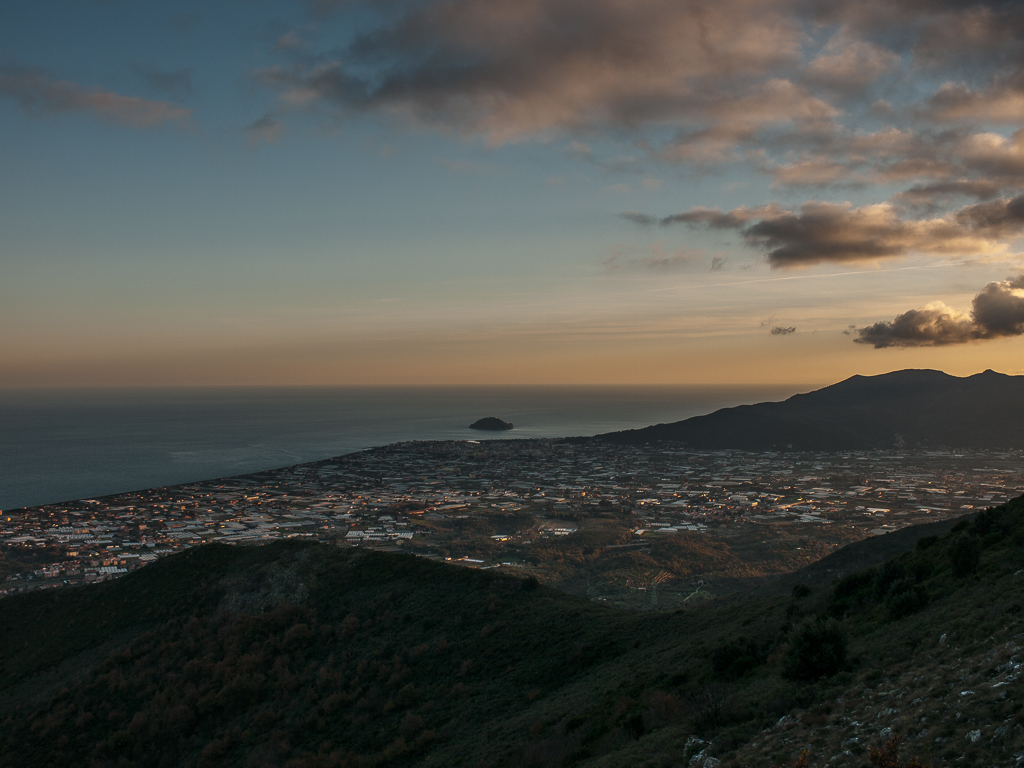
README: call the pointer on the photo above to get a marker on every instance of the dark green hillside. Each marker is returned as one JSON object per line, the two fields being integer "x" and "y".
{"x": 310, "y": 655}
{"x": 859, "y": 555}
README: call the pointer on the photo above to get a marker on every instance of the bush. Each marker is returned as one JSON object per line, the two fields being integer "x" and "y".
{"x": 709, "y": 708}
{"x": 801, "y": 591}
{"x": 852, "y": 591}
{"x": 986, "y": 522}
{"x": 925, "y": 542}
{"x": 853, "y": 584}
{"x": 921, "y": 569}
{"x": 892, "y": 572}
{"x": 888, "y": 756}
{"x": 801, "y": 761}
{"x": 735, "y": 658}
{"x": 965, "y": 555}
{"x": 817, "y": 649}
{"x": 991, "y": 527}
{"x": 905, "y": 597}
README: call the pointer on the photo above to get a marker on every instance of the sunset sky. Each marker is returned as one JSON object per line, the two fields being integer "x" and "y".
{"x": 508, "y": 191}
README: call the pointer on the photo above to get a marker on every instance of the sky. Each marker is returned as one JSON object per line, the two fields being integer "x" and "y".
{"x": 508, "y": 191}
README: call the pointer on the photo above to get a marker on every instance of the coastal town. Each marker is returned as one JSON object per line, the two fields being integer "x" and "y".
{"x": 522, "y": 504}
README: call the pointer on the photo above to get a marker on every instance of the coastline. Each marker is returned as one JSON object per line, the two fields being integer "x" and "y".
{"x": 66, "y": 444}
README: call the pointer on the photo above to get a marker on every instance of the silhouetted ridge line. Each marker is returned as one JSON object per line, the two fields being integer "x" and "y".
{"x": 909, "y": 408}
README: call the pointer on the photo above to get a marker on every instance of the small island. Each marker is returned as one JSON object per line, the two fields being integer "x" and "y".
{"x": 491, "y": 423}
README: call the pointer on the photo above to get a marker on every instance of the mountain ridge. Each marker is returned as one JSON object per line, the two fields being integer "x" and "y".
{"x": 907, "y": 408}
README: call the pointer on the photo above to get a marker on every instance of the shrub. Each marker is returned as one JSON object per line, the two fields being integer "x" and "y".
{"x": 965, "y": 555}
{"x": 801, "y": 761}
{"x": 854, "y": 583}
{"x": 734, "y": 659}
{"x": 891, "y": 572}
{"x": 659, "y": 709}
{"x": 801, "y": 591}
{"x": 708, "y": 709}
{"x": 851, "y": 591}
{"x": 817, "y": 649}
{"x": 986, "y": 522}
{"x": 411, "y": 725}
{"x": 925, "y": 542}
{"x": 905, "y": 597}
{"x": 921, "y": 569}
{"x": 990, "y": 527}
{"x": 888, "y": 756}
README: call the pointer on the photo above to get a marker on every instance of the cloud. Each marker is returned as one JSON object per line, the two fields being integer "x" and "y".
{"x": 995, "y": 157}
{"x": 816, "y": 172}
{"x": 704, "y": 146}
{"x": 999, "y": 308}
{"x": 509, "y": 70}
{"x": 782, "y": 330}
{"x": 1002, "y": 103}
{"x": 688, "y": 82}
{"x": 840, "y": 233}
{"x": 737, "y": 117}
{"x": 943, "y": 163}
{"x": 175, "y": 83}
{"x": 934, "y": 324}
{"x": 711, "y": 217}
{"x": 997, "y": 311}
{"x": 266, "y": 130}
{"x": 828, "y": 154}
{"x": 636, "y": 217}
{"x": 968, "y": 33}
{"x": 292, "y": 40}
{"x": 847, "y": 63}
{"x": 38, "y": 94}
{"x": 653, "y": 257}
{"x": 930, "y": 196}
{"x": 734, "y": 81}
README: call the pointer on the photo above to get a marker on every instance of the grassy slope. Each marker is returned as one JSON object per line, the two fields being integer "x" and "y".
{"x": 304, "y": 654}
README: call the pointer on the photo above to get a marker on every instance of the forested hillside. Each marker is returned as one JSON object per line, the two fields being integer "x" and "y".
{"x": 311, "y": 655}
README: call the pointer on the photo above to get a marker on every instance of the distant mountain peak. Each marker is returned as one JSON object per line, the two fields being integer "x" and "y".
{"x": 910, "y": 407}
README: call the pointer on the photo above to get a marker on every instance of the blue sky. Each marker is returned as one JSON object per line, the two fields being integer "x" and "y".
{"x": 526, "y": 191}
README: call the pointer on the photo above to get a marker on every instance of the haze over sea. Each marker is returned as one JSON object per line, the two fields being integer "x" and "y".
{"x": 63, "y": 444}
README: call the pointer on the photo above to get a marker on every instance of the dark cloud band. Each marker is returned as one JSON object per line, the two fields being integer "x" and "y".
{"x": 840, "y": 233}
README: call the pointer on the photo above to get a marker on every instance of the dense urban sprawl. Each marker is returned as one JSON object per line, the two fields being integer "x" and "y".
{"x": 437, "y": 498}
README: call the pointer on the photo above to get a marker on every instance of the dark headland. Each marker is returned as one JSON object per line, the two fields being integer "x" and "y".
{"x": 492, "y": 424}
{"x": 910, "y": 408}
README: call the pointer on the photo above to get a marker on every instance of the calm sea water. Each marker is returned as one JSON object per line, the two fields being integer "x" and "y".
{"x": 57, "y": 445}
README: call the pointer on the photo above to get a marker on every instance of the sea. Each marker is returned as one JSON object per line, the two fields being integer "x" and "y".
{"x": 64, "y": 444}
